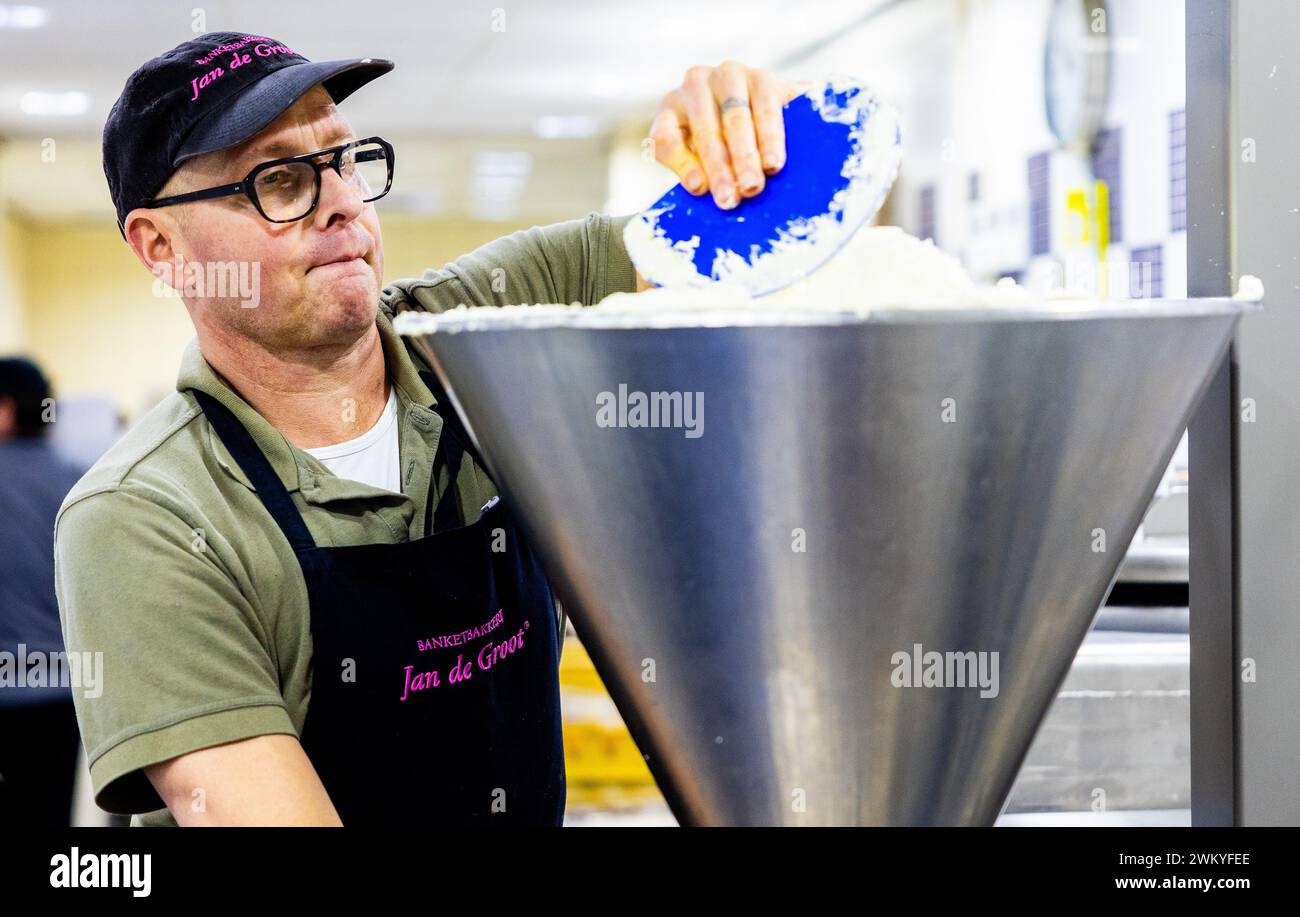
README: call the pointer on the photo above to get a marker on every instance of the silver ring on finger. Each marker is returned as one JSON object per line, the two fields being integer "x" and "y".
{"x": 733, "y": 102}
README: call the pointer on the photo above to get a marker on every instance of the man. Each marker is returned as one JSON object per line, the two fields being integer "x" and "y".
{"x": 38, "y": 754}
{"x": 312, "y": 607}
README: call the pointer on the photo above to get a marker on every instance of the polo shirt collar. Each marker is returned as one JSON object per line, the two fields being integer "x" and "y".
{"x": 402, "y": 371}
{"x": 197, "y": 374}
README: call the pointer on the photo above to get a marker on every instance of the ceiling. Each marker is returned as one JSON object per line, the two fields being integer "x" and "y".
{"x": 478, "y": 96}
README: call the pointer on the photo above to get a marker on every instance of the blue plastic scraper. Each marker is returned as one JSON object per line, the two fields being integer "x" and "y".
{"x": 843, "y": 148}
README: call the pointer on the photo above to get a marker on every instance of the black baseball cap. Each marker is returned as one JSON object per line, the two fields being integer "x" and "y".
{"x": 208, "y": 94}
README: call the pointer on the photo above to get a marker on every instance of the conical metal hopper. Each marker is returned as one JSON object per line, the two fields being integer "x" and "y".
{"x": 959, "y": 482}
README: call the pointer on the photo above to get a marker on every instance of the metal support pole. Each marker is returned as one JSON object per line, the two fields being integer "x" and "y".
{"x": 1212, "y": 522}
{"x": 1243, "y": 91}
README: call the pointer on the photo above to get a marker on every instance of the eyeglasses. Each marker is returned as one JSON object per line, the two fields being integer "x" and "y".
{"x": 285, "y": 190}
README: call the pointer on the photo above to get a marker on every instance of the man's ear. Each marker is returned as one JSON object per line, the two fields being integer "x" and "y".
{"x": 153, "y": 237}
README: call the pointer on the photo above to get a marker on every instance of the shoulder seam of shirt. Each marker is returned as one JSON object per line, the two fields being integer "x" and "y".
{"x": 118, "y": 481}
{"x": 190, "y": 515}
{"x": 405, "y": 296}
{"x": 446, "y": 275}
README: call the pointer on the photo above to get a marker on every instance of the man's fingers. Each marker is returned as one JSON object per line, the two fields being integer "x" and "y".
{"x": 706, "y": 136}
{"x": 723, "y": 130}
{"x": 730, "y": 84}
{"x": 668, "y": 134}
{"x": 768, "y": 95}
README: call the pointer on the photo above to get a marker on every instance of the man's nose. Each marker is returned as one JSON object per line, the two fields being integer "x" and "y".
{"x": 340, "y": 201}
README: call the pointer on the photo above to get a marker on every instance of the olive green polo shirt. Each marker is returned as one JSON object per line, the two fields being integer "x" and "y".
{"x": 167, "y": 563}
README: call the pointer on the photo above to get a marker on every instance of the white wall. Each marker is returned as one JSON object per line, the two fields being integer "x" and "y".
{"x": 11, "y": 292}
{"x": 967, "y": 76}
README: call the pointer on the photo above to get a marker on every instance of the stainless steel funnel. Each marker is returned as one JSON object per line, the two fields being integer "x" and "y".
{"x": 864, "y": 492}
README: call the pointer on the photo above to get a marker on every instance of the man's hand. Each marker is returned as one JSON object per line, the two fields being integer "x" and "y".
{"x": 722, "y": 130}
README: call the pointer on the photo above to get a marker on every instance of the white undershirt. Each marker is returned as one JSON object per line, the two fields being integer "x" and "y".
{"x": 371, "y": 458}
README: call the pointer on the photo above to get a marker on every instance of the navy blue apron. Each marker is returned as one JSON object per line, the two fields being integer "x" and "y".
{"x": 435, "y": 696}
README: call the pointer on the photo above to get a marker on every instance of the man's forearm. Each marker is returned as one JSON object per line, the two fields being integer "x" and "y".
{"x": 263, "y": 781}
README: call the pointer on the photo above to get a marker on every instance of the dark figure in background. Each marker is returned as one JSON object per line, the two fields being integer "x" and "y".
{"x": 38, "y": 728}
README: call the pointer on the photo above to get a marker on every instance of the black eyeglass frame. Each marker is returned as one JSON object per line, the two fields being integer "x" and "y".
{"x": 246, "y": 186}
